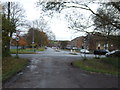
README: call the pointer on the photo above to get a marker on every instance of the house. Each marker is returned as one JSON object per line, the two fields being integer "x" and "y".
{"x": 99, "y": 41}
{"x": 95, "y": 41}
{"x": 77, "y": 42}
{"x": 54, "y": 43}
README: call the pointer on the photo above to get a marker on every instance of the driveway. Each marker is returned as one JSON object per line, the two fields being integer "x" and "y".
{"x": 51, "y": 69}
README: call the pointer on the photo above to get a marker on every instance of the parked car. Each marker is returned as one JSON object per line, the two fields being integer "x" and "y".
{"x": 74, "y": 48}
{"x": 115, "y": 53}
{"x": 45, "y": 47}
{"x": 101, "y": 52}
{"x": 84, "y": 51}
{"x": 53, "y": 47}
{"x": 68, "y": 47}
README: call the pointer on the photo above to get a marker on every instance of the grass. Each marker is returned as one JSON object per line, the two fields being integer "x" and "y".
{"x": 103, "y": 65}
{"x": 12, "y": 65}
{"x": 73, "y": 53}
{"x": 22, "y": 51}
{"x": 40, "y": 49}
{"x": 26, "y": 51}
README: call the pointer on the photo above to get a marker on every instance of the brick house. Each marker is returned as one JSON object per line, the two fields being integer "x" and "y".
{"x": 96, "y": 41}
{"x": 77, "y": 42}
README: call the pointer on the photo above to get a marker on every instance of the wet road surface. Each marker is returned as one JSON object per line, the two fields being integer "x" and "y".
{"x": 51, "y": 69}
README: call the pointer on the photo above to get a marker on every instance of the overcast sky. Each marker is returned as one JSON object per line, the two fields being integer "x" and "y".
{"x": 58, "y": 24}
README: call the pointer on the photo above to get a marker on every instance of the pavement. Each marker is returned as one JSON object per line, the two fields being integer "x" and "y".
{"x": 51, "y": 69}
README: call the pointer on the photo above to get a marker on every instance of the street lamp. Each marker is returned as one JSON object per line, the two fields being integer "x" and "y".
{"x": 33, "y": 39}
{"x": 85, "y": 48}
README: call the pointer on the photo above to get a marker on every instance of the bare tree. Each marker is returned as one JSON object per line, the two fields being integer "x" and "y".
{"x": 13, "y": 17}
{"x": 41, "y": 24}
{"x": 107, "y": 12}
{"x": 59, "y": 6}
{"x": 102, "y": 25}
{"x": 79, "y": 23}
{"x": 51, "y": 35}
{"x": 16, "y": 14}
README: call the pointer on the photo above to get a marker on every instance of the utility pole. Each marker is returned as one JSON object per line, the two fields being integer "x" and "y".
{"x": 7, "y": 45}
{"x": 85, "y": 48}
{"x": 33, "y": 39}
{"x": 8, "y": 10}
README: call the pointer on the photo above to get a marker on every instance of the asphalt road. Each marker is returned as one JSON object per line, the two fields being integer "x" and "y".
{"x": 51, "y": 69}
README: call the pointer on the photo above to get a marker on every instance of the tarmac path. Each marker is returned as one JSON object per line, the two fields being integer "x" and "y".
{"x": 51, "y": 69}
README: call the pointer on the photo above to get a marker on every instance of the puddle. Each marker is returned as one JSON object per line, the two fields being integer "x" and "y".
{"x": 28, "y": 66}
{"x": 20, "y": 73}
{"x": 32, "y": 67}
{"x": 84, "y": 75}
{"x": 36, "y": 72}
{"x": 57, "y": 72}
{"x": 35, "y": 61}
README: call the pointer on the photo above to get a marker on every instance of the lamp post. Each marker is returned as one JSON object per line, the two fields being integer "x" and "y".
{"x": 33, "y": 39}
{"x": 85, "y": 48}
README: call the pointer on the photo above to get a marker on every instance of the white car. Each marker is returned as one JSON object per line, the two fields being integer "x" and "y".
{"x": 74, "y": 48}
{"x": 111, "y": 53}
{"x": 84, "y": 51}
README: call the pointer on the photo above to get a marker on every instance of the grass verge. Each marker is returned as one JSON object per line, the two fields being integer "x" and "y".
{"x": 12, "y": 65}
{"x": 103, "y": 65}
{"x": 73, "y": 53}
{"x": 26, "y": 51}
{"x": 40, "y": 49}
{"x": 22, "y": 51}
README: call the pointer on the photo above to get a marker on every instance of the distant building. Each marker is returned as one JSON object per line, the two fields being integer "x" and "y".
{"x": 96, "y": 41}
{"x": 77, "y": 42}
{"x": 99, "y": 41}
{"x": 58, "y": 43}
